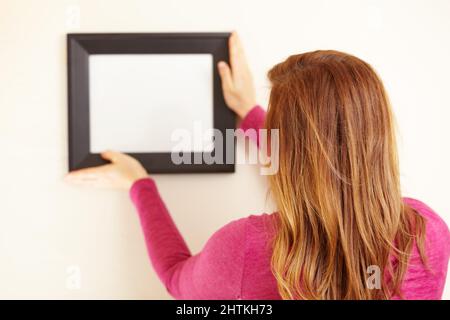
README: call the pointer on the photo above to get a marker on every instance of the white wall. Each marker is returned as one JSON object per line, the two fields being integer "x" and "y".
{"x": 47, "y": 226}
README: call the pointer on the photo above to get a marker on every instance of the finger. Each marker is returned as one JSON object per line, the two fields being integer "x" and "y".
{"x": 237, "y": 55}
{"x": 235, "y": 41}
{"x": 85, "y": 180}
{"x": 88, "y": 173}
{"x": 233, "y": 49}
{"x": 225, "y": 76}
{"x": 110, "y": 155}
{"x": 94, "y": 181}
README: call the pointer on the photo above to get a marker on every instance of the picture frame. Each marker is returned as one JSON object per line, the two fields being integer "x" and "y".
{"x": 82, "y": 47}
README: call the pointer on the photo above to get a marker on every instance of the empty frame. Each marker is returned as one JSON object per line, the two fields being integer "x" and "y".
{"x": 136, "y": 93}
{"x": 171, "y": 89}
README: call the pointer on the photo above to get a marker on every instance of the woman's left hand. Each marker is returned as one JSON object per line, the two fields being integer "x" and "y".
{"x": 121, "y": 173}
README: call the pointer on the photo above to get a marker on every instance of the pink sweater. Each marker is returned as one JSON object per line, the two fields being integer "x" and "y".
{"x": 235, "y": 261}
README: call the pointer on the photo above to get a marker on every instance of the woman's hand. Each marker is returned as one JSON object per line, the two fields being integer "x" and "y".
{"x": 237, "y": 81}
{"x": 122, "y": 172}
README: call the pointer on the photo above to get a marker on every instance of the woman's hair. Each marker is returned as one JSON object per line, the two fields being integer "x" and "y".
{"x": 341, "y": 214}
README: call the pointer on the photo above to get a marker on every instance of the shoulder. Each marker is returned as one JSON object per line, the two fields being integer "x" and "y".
{"x": 428, "y": 281}
{"x": 240, "y": 230}
{"x": 433, "y": 220}
{"x": 233, "y": 239}
{"x": 263, "y": 225}
{"x": 233, "y": 231}
{"x": 436, "y": 230}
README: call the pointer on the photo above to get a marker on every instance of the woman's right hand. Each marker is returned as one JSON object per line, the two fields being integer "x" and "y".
{"x": 237, "y": 81}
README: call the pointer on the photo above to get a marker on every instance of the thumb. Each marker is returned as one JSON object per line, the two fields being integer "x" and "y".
{"x": 225, "y": 75}
{"x": 110, "y": 155}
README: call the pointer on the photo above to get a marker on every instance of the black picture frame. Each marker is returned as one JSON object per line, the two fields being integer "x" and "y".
{"x": 81, "y": 45}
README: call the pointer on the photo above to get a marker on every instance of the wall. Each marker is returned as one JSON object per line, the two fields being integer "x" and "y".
{"x": 50, "y": 231}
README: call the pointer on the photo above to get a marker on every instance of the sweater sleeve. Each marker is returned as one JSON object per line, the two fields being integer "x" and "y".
{"x": 252, "y": 122}
{"x": 214, "y": 273}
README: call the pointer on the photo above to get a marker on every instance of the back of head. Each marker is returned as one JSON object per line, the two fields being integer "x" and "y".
{"x": 337, "y": 188}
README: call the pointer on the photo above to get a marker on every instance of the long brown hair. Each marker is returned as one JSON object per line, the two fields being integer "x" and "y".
{"x": 337, "y": 187}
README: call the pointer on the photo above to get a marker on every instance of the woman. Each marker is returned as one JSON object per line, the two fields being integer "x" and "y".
{"x": 341, "y": 218}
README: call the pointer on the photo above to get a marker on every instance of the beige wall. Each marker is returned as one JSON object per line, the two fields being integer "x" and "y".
{"x": 46, "y": 226}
